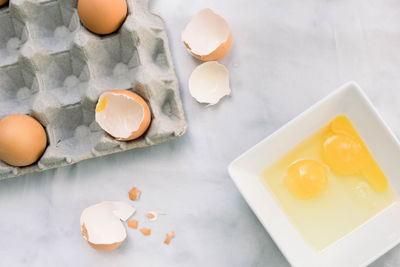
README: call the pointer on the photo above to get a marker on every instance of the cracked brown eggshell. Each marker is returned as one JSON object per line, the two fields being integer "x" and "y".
{"x": 101, "y": 224}
{"x": 208, "y": 36}
{"x": 123, "y": 114}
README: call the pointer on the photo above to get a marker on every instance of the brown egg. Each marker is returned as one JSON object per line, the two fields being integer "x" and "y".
{"x": 22, "y": 140}
{"x": 3, "y": 2}
{"x": 102, "y": 16}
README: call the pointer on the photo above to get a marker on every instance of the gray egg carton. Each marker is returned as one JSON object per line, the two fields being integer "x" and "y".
{"x": 54, "y": 69}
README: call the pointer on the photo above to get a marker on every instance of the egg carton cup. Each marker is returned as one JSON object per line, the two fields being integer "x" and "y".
{"x": 54, "y": 69}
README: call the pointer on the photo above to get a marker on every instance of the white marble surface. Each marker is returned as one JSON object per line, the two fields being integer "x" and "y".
{"x": 287, "y": 54}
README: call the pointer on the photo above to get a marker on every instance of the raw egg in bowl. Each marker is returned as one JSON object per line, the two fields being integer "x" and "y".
{"x": 325, "y": 186}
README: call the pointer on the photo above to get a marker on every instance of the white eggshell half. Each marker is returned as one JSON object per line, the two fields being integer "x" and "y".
{"x": 209, "y": 82}
{"x": 123, "y": 115}
{"x": 206, "y": 32}
{"x": 103, "y": 222}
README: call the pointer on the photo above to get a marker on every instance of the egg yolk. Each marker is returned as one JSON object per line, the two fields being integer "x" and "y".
{"x": 306, "y": 179}
{"x": 102, "y": 105}
{"x": 343, "y": 154}
{"x": 346, "y": 154}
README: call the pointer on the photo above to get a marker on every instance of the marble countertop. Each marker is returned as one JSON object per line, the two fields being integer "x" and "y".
{"x": 287, "y": 54}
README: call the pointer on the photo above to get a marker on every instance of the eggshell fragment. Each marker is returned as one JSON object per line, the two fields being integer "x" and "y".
{"x": 145, "y": 231}
{"x": 123, "y": 210}
{"x": 208, "y": 36}
{"x": 134, "y": 193}
{"x": 152, "y": 215}
{"x": 209, "y": 82}
{"x": 102, "y": 16}
{"x": 170, "y": 235}
{"x": 101, "y": 224}
{"x": 123, "y": 114}
{"x": 133, "y": 224}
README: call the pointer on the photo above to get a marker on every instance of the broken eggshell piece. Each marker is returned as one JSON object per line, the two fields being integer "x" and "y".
{"x": 101, "y": 224}
{"x": 208, "y": 36}
{"x": 134, "y": 224}
{"x": 145, "y": 231}
{"x": 168, "y": 238}
{"x": 209, "y": 82}
{"x": 134, "y": 193}
{"x": 123, "y": 114}
{"x": 153, "y": 215}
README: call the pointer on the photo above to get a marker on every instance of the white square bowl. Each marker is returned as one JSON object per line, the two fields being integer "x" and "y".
{"x": 368, "y": 241}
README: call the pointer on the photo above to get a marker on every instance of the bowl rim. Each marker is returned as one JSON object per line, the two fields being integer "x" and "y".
{"x": 238, "y": 176}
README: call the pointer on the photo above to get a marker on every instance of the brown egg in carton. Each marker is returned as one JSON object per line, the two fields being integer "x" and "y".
{"x": 54, "y": 69}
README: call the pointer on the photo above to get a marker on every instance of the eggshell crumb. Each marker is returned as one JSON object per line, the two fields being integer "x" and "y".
{"x": 134, "y": 193}
{"x": 170, "y": 235}
{"x": 209, "y": 82}
{"x": 152, "y": 215}
{"x": 133, "y": 224}
{"x": 145, "y": 231}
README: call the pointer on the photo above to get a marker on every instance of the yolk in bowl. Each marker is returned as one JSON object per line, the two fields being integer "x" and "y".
{"x": 343, "y": 154}
{"x": 306, "y": 178}
{"x": 346, "y": 154}
{"x": 329, "y": 183}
